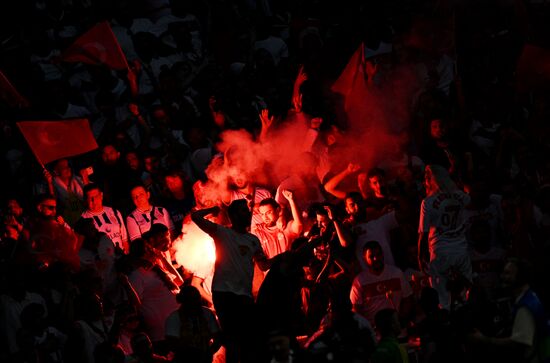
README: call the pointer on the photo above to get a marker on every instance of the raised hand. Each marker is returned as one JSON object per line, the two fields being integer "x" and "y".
{"x": 316, "y": 122}
{"x": 266, "y": 120}
{"x": 330, "y": 213}
{"x": 352, "y": 168}
{"x": 288, "y": 194}
{"x": 302, "y": 76}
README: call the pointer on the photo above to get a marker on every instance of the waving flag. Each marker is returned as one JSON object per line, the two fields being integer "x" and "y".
{"x": 53, "y": 140}
{"x": 97, "y": 46}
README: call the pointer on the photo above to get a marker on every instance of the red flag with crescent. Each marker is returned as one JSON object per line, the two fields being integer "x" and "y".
{"x": 97, "y": 46}
{"x": 53, "y": 140}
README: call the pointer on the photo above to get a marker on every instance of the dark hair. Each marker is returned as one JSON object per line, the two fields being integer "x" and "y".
{"x": 429, "y": 299}
{"x": 138, "y": 248}
{"x": 92, "y": 186}
{"x": 371, "y": 245}
{"x": 356, "y": 196}
{"x": 190, "y": 296}
{"x": 156, "y": 230}
{"x": 269, "y": 201}
{"x": 235, "y": 206}
{"x": 44, "y": 197}
{"x": 138, "y": 185}
{"x": 376, "y": 172}
{"x": 384, "y": 321}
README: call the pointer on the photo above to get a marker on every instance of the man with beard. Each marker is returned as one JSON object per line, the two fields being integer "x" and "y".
{"x": 380, "y": 286}
{"x": 275, "y": 234}
{"x": 50, "y": 238}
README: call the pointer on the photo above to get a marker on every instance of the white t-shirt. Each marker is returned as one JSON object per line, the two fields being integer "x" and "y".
{"x": 234, "y": 268}
{"x": 442, "y": 217}
{"x": 376, "y": 230}
{"x": 139, "y": 221}
{"x": 111, "y": 223}
{"x": 157, "y": 301}
{"x": 374, "y": 293}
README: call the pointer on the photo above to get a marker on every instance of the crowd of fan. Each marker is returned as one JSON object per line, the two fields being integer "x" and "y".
{"x": 432, "y": 254}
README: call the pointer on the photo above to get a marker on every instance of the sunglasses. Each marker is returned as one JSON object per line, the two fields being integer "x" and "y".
{"x": 49, "y": 207}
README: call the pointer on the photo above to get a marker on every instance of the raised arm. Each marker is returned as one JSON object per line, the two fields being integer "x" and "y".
{"x": 296, "y": 222}
{"x": 332, "y": 184}
{"x": 199, "y": 218}
{"x": 267, "y": 122}
{"x": 344, "y": 236}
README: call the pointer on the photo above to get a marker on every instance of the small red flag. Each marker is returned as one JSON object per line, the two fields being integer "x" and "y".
{"x": 97, "y": 46}
{"x": 533, "y": 68}
{"x": 53, "y": 140}
{"x": 10, "y": 95}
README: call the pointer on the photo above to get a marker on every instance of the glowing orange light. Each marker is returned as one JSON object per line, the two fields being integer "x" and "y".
{"x": 195, "y": 249}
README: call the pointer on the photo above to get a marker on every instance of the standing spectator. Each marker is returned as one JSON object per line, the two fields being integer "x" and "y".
{"x": 442, "y": 227}
{"x": 236, "y": 252}
{"x": 274, "y": 234}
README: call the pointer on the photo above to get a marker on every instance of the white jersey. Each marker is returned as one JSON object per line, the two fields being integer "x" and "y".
{"x": 442, "y": 216}
{"x": 110, "y": 222}
{"x": 139, "y": 221}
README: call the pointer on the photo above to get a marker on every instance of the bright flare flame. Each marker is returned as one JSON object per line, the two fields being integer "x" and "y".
{"x": 195, "y": 250}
